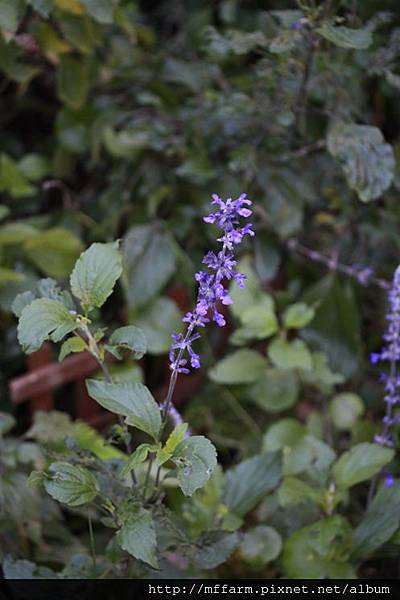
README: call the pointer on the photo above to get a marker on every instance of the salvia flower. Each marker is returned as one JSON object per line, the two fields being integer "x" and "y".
{"x": 221, "y": 267}
{"x": 390, "y": 354}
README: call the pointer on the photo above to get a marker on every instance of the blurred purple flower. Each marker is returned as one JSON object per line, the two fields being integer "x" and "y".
{"x": 390, "y": 354}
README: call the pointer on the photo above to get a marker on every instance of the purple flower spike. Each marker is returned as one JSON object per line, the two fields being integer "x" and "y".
{"x": 221, "y": 266}
{"x": 390, "y": 353}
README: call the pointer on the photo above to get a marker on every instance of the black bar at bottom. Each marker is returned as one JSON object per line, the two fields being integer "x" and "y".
{"x": 209, "y": 589}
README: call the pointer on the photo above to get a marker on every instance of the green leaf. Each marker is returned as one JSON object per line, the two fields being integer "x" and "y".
{"x": 311, "y": 456}
{"x": 73, "y": 344}
{"x": 10, "y": 14}
{"x": 367, "y": 160}
{"x": 80, "y": 31}
{"x": 335, "y": 329}
{"x": 344, "y": 37}
{"x": 360, "y": 463}
{"x": 195, "y": 459}
{"x": 345, "y": 409}
{"x": 260, "y": 545}
{"x": 284, "y": 433}
{"x": 157, "y": 322}
{"x": 73, "y": 81}
{"x": 276, "y": 390}
{"x": 136, "y": 534}
{"x": 248, "y": 482}
{"x": 95, "y": 274}
{"x": 175, "y": 437}
{"x": 243, "y": 366}
{"x": 71, "y": 484}
{"x": 137, "y": 458}
{"x": 7, "y": 422}
{"x": 133, "y": 400}
{"x": 290, "y": 355}
{"x": 100, "y": 10}
{"x": 259, "y": 321}
{"x": 319, "y": 551}
{"x": 243, "y": 298}
{"x": 295, "y": 491}
{"x": 34, "y": 166}
{"x": 4, "y": 212}
{"x": 379, "y": 523}
{"x": 298, "y": 315}
{"x": 54, "y": 251}
{"x": 129, "y": 338}
{"x": 149, "y": 262}
{"x": 213, "y": 548}
{"x": 12, "y": 179}
{"x": 16, "y": 233}
{"x": 41, "y": 320}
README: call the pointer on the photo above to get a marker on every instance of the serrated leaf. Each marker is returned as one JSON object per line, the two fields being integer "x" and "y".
{"x": 132, "y": 400}
{"x": 149, "y": 259}
{"x": 71, "y": 484}
{"x": 290, "y": 354}
{"x": 95, "y": 274}
{"x": 129, "y": 338}
{"x": 361, "y": 462}
{"x": 345, "y": 37}
{"x": 213, "y": 548}
{"x": 243, "y": 366}
{"x": 136, "y": 534}
{"x": 41, "y": 320}
{"x": 367, "y": 160}
{"x": 195, "y": 459}
{"x": 73, "y": 344}
{"x": 248, "y": 482}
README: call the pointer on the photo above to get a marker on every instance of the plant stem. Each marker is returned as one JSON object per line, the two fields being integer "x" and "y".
{"x": 94, "y": 349}
{"x": 92, "y": 547}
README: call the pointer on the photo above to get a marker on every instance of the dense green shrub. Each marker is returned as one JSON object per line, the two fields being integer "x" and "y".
{"x": 119, "y": 120}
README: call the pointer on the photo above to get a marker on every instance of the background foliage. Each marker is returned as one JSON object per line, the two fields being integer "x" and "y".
{"x": 119, "y": 119}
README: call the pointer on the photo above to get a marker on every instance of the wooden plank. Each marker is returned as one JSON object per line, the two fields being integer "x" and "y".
{"x": 37, "y": 360}
{"x": 51, "y": 376}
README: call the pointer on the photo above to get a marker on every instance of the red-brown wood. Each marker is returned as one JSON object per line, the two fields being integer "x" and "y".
{"x": 37, "y": 360}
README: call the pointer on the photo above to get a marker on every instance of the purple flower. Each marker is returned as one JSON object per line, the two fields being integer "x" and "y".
{"x": 390, "y": 353}
{"x": 221, "y": 266}
{"x": 389, "y": 480}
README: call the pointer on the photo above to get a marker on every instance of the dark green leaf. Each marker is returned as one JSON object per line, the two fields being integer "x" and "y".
{"x": 360, "y": 463}
{"x": 250, "y": 481}
{"x": 133, "y": 400}
{"x": 71, "y": 484}
{"x": 243, "y": 366}
{"x": 136, "y": 534}
{"x": 195, "y": 459}
{"x": 129, "y": 338}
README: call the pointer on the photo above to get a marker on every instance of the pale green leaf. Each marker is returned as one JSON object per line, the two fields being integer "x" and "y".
{"x": 344, "y": 37}
{"x": 175, "y": 437}
{"x": 11, "y": 12}
{"x": 290, "y": 354}
{"x": 361, "y": 462}
{"x": 73, "y": 344}
{"x": 137, "y": 458}
{"x": 276, "y": 390}
{"x": 298, "y": 315}
{"x": 260, "y": 545}
{"x": 100, "y": 10}
{"x": 242, "y": 366}
{"x": 345, "y": 409}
